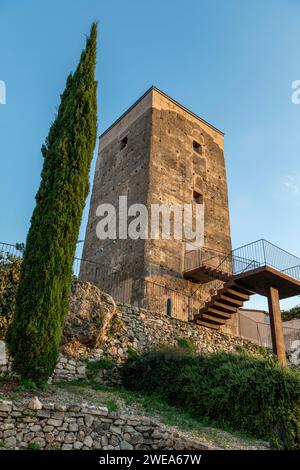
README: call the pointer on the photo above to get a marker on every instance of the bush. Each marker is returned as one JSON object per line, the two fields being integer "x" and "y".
{"x": 9, "y": 280}
{"x": 185, "y": 343}
{"x": 132, "y": 353}
{"x": 292, "y": 314}
{"x": 237, "y": 391}
{"x": 93, "y": 367}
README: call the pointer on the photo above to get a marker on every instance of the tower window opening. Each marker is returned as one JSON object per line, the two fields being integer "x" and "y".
{"x": 197, "y": 147}
{"x": 197, "y": 197}
{"x": 123, "y": 142}
{"x": 169, "y": 308}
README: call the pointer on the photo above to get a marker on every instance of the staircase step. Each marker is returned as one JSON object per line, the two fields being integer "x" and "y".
{"x": 230, "y": 300}
{"x": 211, "y": 318}
{"x": 207, "y": 324}
{"x": 219, "y": 313}
{"x": 225, "y": 303}
{"x": 222, "y": 306}
{"x": 245, "y": 290}
{"x": 213, "y": 312}
{"x": 235, "y": 293}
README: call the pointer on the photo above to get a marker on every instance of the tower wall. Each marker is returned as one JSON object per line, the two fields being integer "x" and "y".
{"x": 177, "y": 171}
{"x": 121, "y": 170}
{"x": 171, "y": 157}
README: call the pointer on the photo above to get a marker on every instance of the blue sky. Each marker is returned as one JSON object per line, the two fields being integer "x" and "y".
{"x": 232, "y": 62}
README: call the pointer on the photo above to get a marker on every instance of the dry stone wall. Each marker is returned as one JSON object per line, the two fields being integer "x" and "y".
{"x": 75, "y": 427}
{"x": 134, "y": 329}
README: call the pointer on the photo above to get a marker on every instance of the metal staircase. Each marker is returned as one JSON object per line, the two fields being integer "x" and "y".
{"x": 223, "y": 305}
{"x": 234, "y": 277}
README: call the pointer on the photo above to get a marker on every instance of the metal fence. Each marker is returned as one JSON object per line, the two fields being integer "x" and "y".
{"x": 264, "y": 253}
{"x": 247, "y": 257}
{"x": 202, "y": 257}
{"x": 135, "y": 291}
{"x": 159, "y": 298}
{"x": 8, "y": 250}
{"x": 139, "y": 291}
{"x": 260, "y": 333}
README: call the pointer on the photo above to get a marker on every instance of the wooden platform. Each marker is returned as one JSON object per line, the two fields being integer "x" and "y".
{"x": 261, "y": 279}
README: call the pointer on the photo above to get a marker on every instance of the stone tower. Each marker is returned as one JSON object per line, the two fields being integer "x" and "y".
{"x": 156, "y": 152}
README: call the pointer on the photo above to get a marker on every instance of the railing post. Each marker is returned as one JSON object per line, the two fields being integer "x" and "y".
{"x": 264, "y": 251}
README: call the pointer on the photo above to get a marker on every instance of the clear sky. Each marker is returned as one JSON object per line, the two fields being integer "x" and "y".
{"x": 230, "y": 61}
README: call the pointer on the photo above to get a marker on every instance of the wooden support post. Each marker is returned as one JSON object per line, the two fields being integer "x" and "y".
{"x": 276, "y": 325}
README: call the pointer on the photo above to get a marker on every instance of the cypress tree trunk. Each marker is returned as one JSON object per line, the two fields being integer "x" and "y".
{"x": 46, "y": 274}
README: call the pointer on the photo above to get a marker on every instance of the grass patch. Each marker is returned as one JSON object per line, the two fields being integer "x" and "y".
{"x": 31, "y": 385}
{"x": 153, "y": 405}
{"x": 33, "y": 446}
{"x": 112, "y": 405}
{"x": 85, "y": 389}
{"x": 93, "y": 367}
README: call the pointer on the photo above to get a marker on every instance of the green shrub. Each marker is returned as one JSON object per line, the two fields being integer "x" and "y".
{"x": 186, "y": 343}
{"x": 292, "y": 314}
{"x": 9, "y": 279}
{"x": 93, "y": 367}
{"x": 236, "y": 391}
{"x": 33, "y": 446}
{"x": 28, "y": 384}
{"x": 258, "y": 352}
{"x": 132, "y": 353}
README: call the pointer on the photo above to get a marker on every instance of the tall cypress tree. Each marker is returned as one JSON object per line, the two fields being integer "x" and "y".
{"x": 46, "y": 274}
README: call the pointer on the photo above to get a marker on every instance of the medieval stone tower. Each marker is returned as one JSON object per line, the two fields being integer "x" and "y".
{"x": 156, "y": 152}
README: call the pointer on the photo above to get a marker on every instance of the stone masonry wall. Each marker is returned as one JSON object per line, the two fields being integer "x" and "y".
{"x": 68, "y": 427}
{"x": 157, "y": 164}
{"x": 136, "y": 329}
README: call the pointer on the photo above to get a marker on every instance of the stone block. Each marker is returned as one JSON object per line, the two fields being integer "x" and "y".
{"x": 10, "y": 442}
{"x": 5, "y": 406}
{"x": 88, "y": 441}
{"x": 124, "y": 445}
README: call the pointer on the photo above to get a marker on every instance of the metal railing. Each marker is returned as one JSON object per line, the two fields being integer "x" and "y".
{"x": 136, "y": 291}
{"x": 246, "y": 258}
{"x": 8, "y": 250}
{"x": 200, "y": 257}
{"x": 160, "y": 298}
{"x": 264, "y": 253}
{"x": 260, "y": 333}
{"x": 253, "y": 255}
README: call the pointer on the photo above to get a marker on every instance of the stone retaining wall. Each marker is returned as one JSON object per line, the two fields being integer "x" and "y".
{"x": 142, "y": 330}
{"x": 135, "y": 329}
{"x": 138, "y": 330}
{"x": 49, "y": 426}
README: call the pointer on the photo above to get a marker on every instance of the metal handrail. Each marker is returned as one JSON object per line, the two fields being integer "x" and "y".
{"x": 258, "y": 253}
{"x": 250, "y": 256}
{"x": 240, "y": 260}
